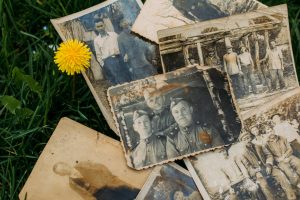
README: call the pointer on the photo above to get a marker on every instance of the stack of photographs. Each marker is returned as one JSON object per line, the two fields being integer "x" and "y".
{"x": 209, "y": 82}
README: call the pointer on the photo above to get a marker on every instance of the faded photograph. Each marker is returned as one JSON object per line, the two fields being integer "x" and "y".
{"x": 117, "y": 55}
{"x": 169, "y": 182}
{"x": 163, "y": 14}
{"x": 264, "y": 164}
{"x": 70, "y": 168}
{"x": 173, "y": 115}
{"x": 254, "y": 49}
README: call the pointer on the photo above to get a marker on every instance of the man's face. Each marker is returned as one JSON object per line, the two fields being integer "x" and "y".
{"x": 182, "y": 114}
{"x": 247, "y": 140}
{"x": 154, "y": 102}
{"x": 254, "y": 131}
{"x": 178, "y": 195}
{"x": 142, "y": 126}
{"x": 63, "y": 169}
{"x": 243, "y": 49}
{"x": 211, "y": 53}
{"x": 124, "y": 24}
{"x": 276, "y": 119}
{"x": 269, "y": 130}
{"x": 273, "y": 44}
{"x": 100, "y": 26}
{"x": 229, "y": 50}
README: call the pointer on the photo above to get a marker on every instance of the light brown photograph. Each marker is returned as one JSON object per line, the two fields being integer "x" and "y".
{"x": 254, "y": 49}
{"x": 79, "y": 163}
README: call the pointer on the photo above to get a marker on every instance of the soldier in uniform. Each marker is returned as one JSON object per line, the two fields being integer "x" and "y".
{"x": 150, "y": 148}
{"x": 189, "y": 136}
{"x": 256, "y": 171}
{"x": 162, "y": 120}
{"x": 279, "y": 152}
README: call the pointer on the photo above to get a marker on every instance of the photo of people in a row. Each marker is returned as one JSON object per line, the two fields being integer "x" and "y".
{"x": 264, "y": 164}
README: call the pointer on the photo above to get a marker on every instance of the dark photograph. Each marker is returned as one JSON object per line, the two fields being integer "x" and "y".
{"x": 174, "y": 115}
{"x": 169, "y": 182}
{"x": 158, "y": 15}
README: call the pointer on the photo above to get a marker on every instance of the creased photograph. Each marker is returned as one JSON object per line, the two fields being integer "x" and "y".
{"x": 263, "y": 164}
{"x": 173, "y": 115}
{"x": 163, "y": 14}
{"x": 118, "y": 56}
{"x": 169, "y": 182}
{"x": 254, "y": 49}
{"x": 79, "y": 163}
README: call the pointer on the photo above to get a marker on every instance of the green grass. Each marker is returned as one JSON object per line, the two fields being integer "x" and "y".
{"x": 45, "y": 96}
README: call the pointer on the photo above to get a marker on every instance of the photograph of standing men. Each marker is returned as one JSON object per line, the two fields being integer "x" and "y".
{"x": 122, "y": 56}
{"x": 118, "y": 56}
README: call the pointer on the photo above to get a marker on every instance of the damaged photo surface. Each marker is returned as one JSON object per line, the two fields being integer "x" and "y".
{"x": 117, "y": 55}
{"x": 254, "y": 49}
{"x": 79, "y": 163}
{"x": 163, "y": 14}
{"x": 263, "y": 164}
{"x": 173, "y": 115}
{"x": 170, "y": 182}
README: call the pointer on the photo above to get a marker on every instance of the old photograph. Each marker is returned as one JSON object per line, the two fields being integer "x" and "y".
{"x": 117, "y": 55}
{"x": 169, "y": 182}
{"x": 79, "y": 163}
{"x": 263, "y": 164}
{"x": 254, "y": 49}
{"x": 170, "y": 116}
{"x": 163, "y": 14}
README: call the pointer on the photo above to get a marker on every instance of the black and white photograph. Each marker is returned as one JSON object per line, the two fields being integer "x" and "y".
{"x": 254, "y": 49}
{"x": 79, "y": 163}
{"x": 163, "y": 14}
{"x": 263, "y": 164}
{"x": 118, "y": 56}
{"x": 169, "y": 182}
{"x": 173, "y": 115}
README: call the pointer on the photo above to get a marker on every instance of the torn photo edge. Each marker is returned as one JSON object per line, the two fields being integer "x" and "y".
{"x": 146, "y": 19}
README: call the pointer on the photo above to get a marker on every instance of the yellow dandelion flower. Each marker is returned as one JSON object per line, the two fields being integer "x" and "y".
{"x": 72, "y": 56}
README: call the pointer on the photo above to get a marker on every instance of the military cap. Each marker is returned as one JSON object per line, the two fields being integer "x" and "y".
{"x": 138, "y": 113}
{"x": 175, "y": 101}
{"x": 148, "y": 92}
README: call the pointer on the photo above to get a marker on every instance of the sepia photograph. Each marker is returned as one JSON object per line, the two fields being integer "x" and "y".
{"x": 173, "y": 115}
{"x": 118, "y": 56}
{"x": 79, "y": 163}
{"x": 254, "y": 49}
{"x": 169, "y": 182}
{"x": 163, "y": 14}
{"x": 263, "y": 164}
